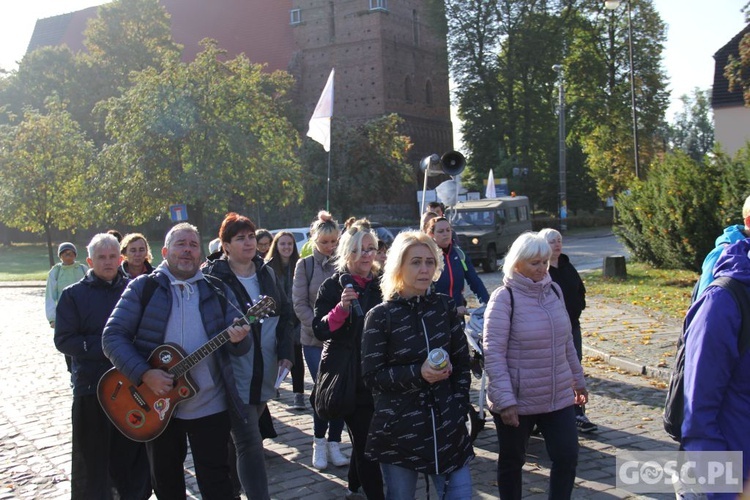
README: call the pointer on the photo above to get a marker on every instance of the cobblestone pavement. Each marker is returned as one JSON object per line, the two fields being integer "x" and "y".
{"x": 36, "y": 399}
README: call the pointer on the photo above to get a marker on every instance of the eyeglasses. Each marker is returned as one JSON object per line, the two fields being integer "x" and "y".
{"x": 366, "y": 251}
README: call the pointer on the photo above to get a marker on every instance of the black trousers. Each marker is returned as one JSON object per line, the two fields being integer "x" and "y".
{"x": 367, "y": 471}
{"x": 298, "y": 371}
{"x": 209, "y": 441}
{"x": 103, "y": 458}
{"x": 560, "y": 438}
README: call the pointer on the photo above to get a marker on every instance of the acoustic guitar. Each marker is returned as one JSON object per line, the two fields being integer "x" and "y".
{"x": 138, "y": 412}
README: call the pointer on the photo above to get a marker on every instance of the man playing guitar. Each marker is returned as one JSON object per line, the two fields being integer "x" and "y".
{"x": 184, "y": 309}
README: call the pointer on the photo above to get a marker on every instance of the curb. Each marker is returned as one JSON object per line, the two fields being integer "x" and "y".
{"x": 23, "y": 284}
{"x": 629, "y": 365}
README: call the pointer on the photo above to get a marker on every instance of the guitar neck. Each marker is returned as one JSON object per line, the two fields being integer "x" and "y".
{"x": 184, "y": 366}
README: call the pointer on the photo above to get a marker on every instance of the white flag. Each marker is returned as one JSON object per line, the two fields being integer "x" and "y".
{"x": 490, "y": 191}
{"x": 320, "y": 123}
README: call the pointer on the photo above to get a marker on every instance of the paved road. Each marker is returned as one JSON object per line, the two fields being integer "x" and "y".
{"x": 35, "y": 403}
{"x": 587, "y": 248}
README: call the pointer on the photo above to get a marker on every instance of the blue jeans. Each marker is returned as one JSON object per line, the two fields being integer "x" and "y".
{"x": 560, "y": 438}
{"x": 251, "y": 462}
{"x": 401, "y": 483}
{"x": 321, "y": 425}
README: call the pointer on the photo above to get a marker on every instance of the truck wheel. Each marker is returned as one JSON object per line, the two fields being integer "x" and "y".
{"x": 490, "y": 263}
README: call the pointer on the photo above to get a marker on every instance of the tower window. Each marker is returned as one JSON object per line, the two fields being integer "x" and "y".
{"x": 378, "y": 4}
{"x": 295, "y": 16}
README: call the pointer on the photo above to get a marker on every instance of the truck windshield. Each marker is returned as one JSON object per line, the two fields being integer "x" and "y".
{"x": 475, "y": 218}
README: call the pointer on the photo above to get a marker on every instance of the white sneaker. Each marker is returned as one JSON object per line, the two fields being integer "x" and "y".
{"x": 335, "y": 456}
{"x": 320, "y": 458}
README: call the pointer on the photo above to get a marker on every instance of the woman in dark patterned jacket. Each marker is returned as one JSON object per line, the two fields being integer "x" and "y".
{"x": 420, "y": 410}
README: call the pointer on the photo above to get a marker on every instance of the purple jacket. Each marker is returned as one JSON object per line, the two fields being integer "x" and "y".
{"x": 532, "y": 362}
{"x": 717, "y": 378}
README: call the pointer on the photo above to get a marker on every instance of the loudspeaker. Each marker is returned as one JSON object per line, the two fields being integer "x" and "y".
{"x": 451, "y": 163}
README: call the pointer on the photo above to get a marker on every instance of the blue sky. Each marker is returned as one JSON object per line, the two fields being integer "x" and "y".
{"x": 697, "y": 29}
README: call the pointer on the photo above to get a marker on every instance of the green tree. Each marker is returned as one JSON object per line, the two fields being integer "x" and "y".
{"x": 737, "y": 70}
{"x": 665, "y": 220}
{"x": 502, "y": 55}
{"x": 600, "y": 91}
{"x": 735, "y": 184}
{"x": 693, "y": 130}
{"x": 45, "y": 174}
{"x": 48, "y": 72}
{"x": 208, "y": 133}
{"x": 374, "y": 153}
{"x": 127, "y": 36}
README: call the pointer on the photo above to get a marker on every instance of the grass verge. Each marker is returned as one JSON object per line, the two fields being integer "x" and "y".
{"x": 25, "y": 262}
{"x": 30, "y": 262}
{"x": 666, "y": 291}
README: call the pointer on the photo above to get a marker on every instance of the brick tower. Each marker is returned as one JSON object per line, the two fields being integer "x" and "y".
{"x": 388, "y": 59}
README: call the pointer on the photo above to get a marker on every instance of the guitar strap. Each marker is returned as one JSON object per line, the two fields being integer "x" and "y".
{"x": 219, "y": 293}
{"x": 151, "y": 284}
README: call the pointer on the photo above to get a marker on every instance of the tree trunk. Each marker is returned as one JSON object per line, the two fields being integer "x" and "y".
{"x": 48, "y": 234}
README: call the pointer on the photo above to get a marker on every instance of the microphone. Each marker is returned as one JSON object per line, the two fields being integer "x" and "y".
{"x": 347, "y": 281}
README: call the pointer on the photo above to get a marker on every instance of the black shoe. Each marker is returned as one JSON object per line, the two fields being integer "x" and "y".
{"x": 584, "y": 424}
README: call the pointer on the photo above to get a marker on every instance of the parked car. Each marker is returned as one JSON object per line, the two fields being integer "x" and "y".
{"x": 486, "y": 228}
{"x": 382, "y": 232}
{"x": 301, "y": 235}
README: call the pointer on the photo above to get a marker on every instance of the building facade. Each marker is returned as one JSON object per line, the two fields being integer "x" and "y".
{"x": 390, "y": 55}
{"x": 731, "y": 117}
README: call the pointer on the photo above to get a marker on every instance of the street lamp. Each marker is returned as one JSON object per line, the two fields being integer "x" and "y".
{"x": 612, "y": 5}
{"x": 561, "y": 146}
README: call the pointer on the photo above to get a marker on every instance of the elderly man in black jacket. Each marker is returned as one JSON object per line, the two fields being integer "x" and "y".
{"x": 102, "y": 457}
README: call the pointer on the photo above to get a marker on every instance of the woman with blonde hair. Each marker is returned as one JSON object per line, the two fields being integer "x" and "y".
{"x": 309, "y": 273}
{"x": 136, "y": 255}
{"x": 342, "y": 302}
{"x": 420, "y": 401}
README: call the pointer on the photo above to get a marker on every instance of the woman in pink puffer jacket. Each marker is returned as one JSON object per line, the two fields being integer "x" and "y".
{"x": 534, "y": 376}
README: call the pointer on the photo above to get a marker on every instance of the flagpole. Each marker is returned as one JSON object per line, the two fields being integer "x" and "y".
{"x": 320, "y": 127}
{"x": 328, "y": 185}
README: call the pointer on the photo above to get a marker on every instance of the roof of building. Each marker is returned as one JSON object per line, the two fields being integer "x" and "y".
{"x": 258, "y": 28}
{"x": 721, "y": 97}
{"x": 65, "y": 29}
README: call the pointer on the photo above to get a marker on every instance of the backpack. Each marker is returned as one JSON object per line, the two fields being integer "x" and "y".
{"x": 151, "y": 284}
{"x": 674, "y": 405}
{"x": 309, "y": 270}
{"x": 58, "y": 269}
{"x": 462, "y": 256}
{"x": 510, "y": 292}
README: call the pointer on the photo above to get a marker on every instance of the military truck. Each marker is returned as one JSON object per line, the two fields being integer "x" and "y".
{"x": 486, "y": 228}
